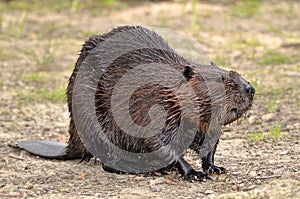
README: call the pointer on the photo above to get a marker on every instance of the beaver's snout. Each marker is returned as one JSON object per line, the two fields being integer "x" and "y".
{"x": 250, "y": 91}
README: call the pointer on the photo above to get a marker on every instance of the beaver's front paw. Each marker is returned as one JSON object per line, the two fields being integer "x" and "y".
{"x": 213, "y": 169}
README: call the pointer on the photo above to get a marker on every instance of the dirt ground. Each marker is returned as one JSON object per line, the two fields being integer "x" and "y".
{"x": 39, "y": 45}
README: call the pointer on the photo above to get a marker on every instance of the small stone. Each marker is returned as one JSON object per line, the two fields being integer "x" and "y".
{"x": 209, "y": 192}
{"x": 241, "y": 186}
{"x": 221, "y": 178}
{"x": 51, "y": 174}
{"x": 234, "y": 187}
{"x": 67, "y": 176}
{"x": 28, "y": 186}
{"x": 252, "y": 174}
{"x": 157, "y": 181}
{"x": 155, "y": 188}
{"x": 236, "y": 173}
{"x": 285, "y": 152}
{"x": 263, "y": 194}
{"x": 20, "y": 83}
{"x": 253, "y": 119}
{"x": 251, "y": 187}
{"x": 268, "y": 117}
{"x": 297, "y": 125}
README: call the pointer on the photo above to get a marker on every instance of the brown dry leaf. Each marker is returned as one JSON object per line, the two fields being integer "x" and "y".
{"x": 81, "y": 176}
{"x": 139, "y": 178}
{"x": 170, "y": 181}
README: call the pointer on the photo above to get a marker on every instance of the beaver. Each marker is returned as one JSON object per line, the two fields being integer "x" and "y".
{"x": 217, "y": 97}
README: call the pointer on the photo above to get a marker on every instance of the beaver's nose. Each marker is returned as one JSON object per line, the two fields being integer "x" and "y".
{"x": 250, "y": 91}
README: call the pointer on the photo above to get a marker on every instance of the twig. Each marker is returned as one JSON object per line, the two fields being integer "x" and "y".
{"x": 15, "y": 157}
{"x": 267, "y": 177}
{"x": 257, "y": 178}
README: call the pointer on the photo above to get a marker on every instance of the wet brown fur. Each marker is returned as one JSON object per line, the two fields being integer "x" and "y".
{"x": 236, "y": 100}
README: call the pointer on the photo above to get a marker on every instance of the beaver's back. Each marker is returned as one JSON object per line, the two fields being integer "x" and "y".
{"x": 150, "y": 48}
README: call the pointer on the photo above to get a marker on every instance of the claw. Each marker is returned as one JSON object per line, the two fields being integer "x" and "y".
{"x": 215, "y": 169}
{"x": 193, "y": 175}
{"x": 209, "y": 177}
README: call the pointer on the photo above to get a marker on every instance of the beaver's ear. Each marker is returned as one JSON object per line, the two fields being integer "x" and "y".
{"x": 187, "y": 72}
{"x": 213, "y": 64}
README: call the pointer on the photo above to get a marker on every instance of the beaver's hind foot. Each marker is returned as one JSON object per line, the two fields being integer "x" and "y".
{"x": 211, "y": 169}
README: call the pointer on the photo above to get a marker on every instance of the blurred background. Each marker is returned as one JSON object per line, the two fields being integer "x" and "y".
{"x": 40, "y": 42}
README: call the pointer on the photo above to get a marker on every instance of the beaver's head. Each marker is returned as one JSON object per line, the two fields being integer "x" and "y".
{"x": 223, "y": 96}
{"x": 239, "y": 96}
